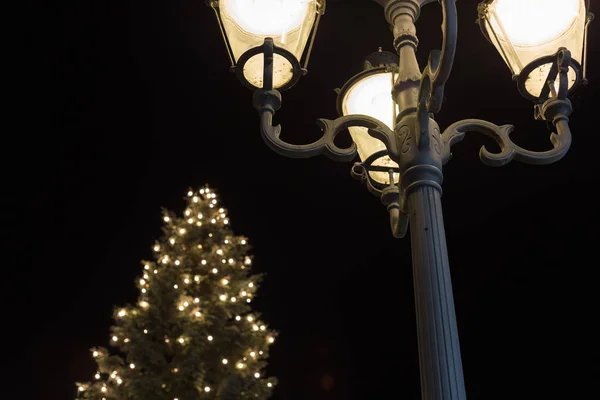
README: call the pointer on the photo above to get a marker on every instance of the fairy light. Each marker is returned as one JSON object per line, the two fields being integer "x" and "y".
{"x": 203, "y": 262}
{"x": 132, "y": 366}
{"x": 220, "y": 252}
{"x": 146, "y": 276}
{"x": 198, "y": 314}
{"x": 223, "y": 297}
{"x": 260, "y": 352}
{"x": 225, "y": 361}
{"x": 244, "y": 293}
{"x": 97, "y": 376}
{"x": 190, "y": 220}
{"x": 142, "y": 282}
{"x": 231, "y": 261}
{"x": 145, "y": 331}
{"x": 175, "y": 370}
{"x": 221, "y": 210}
{"x": 270, "y": 339}
{"x": 210, "y": 235}
{"x": 126, "y": 340}
{"x": 155, "y": 271}
{"x": 81, "y": 388}
{"x": 225, "y": 221}
{"x": 251, "y": 284}
{"x": 156, "y": 248}
{"x": 249, "y": 318}
{"x": 207, "y": 389}
{"x": 143, "y": 290}
{"x": 103, "y": 389}
{"x": 195, "y": 199}
{"x": 175, "y": 286}
{"x": 252, "y": 354}
{"x": 166, "y": 340}
{"x": 199, "y": 216}
{"x": 144, "y": 304}
{"x": 114, "y": 338}
{"x": 167, "y": 219}
{"x": 269, "y": 384}
{"x": 122, "y": 313}
{"x": 210, "y": 338}
{"x": 196, "y": 300}
{"x": 198, "y": 223}
{"x": 113, "y": 375}
{"x": 146, "y": 267}
{"x": 248, "y": 261}
{"x": 180, "y": 308}
{"x": 255, "y": 327}
{"x": 182, "y": 231}
{"x": 190, "y": 193}
{"x": 119, "y": 381}
{"x": 233, "y": 299}
{"x": 213, "y": 221}
{"x": 226, "y": 241}
{"x": 187, "y": 212}
{"x": 186, "y": 280}
{"x": 262, "y": 327}
{"x": 257, "y": 375}
{"x": 197, "y": 278}
{"x": 214, "y": 201}
{"x": 177, "y": 262}
{"x": 248, "y": 300}
{"x": 165, "y": 259}
{"x": 181, "y": 340}
{"x": 172, "y": 241}
{"x": 224, "y": 261}
{"x": 185, "y": 303}
{"x": 238, "y": 318}
{"x": 214, "y": 270}
{"x": 240, "y": 365}
{"x": 95, "y": 354}
{"x": 224, "y": 281}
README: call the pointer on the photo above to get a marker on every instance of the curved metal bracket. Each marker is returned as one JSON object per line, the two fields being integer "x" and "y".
{"x": 437, "y": 72}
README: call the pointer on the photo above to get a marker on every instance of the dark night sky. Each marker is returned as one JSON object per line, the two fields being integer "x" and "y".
{"x": 128, "y": 103}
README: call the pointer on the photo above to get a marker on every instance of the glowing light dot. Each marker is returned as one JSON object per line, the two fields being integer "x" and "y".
{"x": 225, "y": 361}
{"x": 113, "y": 375}
{"x": 201, "y": 191}
{"x": 190, "y": 193}
{"x": 142, "y": 282}
{"x": 248, "y": 261}
{"x": 167, "y": 219}
{"x": 97, "y": 376}
{"x": 213, "y": 221}
{"x": 103, "y": 389}
{"x": 81, "y": 389}
{"x": 198, "y": 223}
{"x": 175, "y": 286}
{"x": 190, "y": 220}
{"x": 95, "y": 354}
{"x": 251, "y": 284}
{"x": 122, "y": 313}
{"x": 197, "y": 278}
{"x": 233, "y": 299}
{"x": 146, "y": 276}
{"x": 210, "y": 338}
{"x": 225, "y": 241}
{"x": 220, "y": 252}
{"x": 260, "y": 352}
{"x": 207, "y": 389}
{"x": 145, "y": 331}
{"x": 199, "y": 216}
{"x": 195, "y": 198}
{"x": 182, "y": 231}
{"x": 224, "y": 261}
{"x": 243, "y": 242}
{"x": 240, "y": 365}
{"x": 262, "y": 328}
{"x": 214, "y": 201}
{"x": 181, "y": 340}
{"x": 223, "y": 297}
{"x": 114, "y": 338}
{"x": 132, "y": 365}
{"x": 248, "y": 300}
{"x": 180, "y": 308}
{"x": 156, "y": 271}
{"x": 198, "y": 314}
{"x": 126, "y": 340}
{"x": 231, "y": 261}
{"x": 250, "y": 319}
{"x": 224, "y": 281}
{"x": 166, "y": 340}
{"x": 196, "y": 300}
{"x": 221, "y": 210}
{"x": 271, "y": 339}
{"x": 177, "y": 262}
{"x": 244, "y": 293}
{"x": 187, "y": 212}
{"x": 144, "y": 304}
{"x": 143, "y": 290}
{"x": 252, "y": 354}
{"x": 203, "y": 262}
{"x": 156, "y": 248}
{"x": 214, "y": 270}
{"x": 185, "y": 303}
{"x": 255, "y": 327}
{"x": 172, "y": 241}
{"x": 175, "y": 370}
{"x": 186, "y": 280}
{"x": 238, "y": 318}
{"x": 225, "y": 221}
{"x": 269, "y": 384}
{"x": 119, "y": 381}
{"x": 146, "y": 266}
{"x": 257, "y": 375}
{"x": 210, "y": 235}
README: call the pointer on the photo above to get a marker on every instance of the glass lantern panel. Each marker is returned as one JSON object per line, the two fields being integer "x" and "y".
{"x": 248, "y": 22}
{"x": 524, "y": 31}
{"x": 372, "y": 96}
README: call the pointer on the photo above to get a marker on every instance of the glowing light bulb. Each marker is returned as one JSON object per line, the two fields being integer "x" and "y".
{"x": 225, "y": 361}
{"x": 207, "y": 389}
{"x": 113, "y": 375}
{"x": 132, "y": 366}
{"x": 213, "y": 221}
{"x": 119, "y": 381}
{"x": 197, "y": 278}
{"x": 175, "y": 286}
{"x": 223, "y": 297}
{"x": 144, "y": 304}
{"x": 243, "y": 242}
{"x": 190, "y": 220}
{"x": 199, "y": 216}
{"x": 146, "y": 276}
{"x": 221, "y": 210}
{"x": 182, "y": 231}
{"x": 270, "y": 339}
{"x": 225, "y": 221}
{"x": 257, "y": 375}
{"x": 114, "y": 338}
{"x": 185, "y": 303}
{"x": 214, "y": 270}
{"x": 255, "y": 327}
{"x": 231, "y": 261}
{"x": 248, "y": 261}
{"x": 195, "y": 199}
{"x": 177, "y": 262}
{"x": 252, "y": 354}
{"x": 244, "y": 293}
{"x": 240, "y": 365}
{"x": 248, "y": 300}
{"x": 81, "y": 389}
{"x": 196, "y": 300}
{"x": 142, "y": 282}
{"x": 95, "y": 354}
{"x": 269, "y": 384}
{"x": 250, "y": 319}
{"x": 203, "y": 262}
{"x": 251, "y": 284}
{"x": 187, "y": 212}
{"x": 220, "y": 252}
{"x": 233, "y": 299}
{"x": 181, "y": 340}
{"x": 190, "y": 193}
{"x": 186, "y": 280}
{"x": 175, "y": 370}
{"x": 198, "y": 223}
{"x": 238, "y": 318}
{"x": 262, "y": 328}
{"x": 145, "y": 331}
{"x": 126, "y": 340}
{"x": 155, "y": 271}
{"x": 198, "y": 314}
{"x": 210, "y": 338}
{"x": 167, "y": 340}
{"x": 122, "y": 313}
{"x": 180, "y": 308}
{"x": 167, "y": 219}
{"x": 224, "y": 281}
{"x": 172, "y": 241}
{"x": 146, "y": 267}
{"x": 143, "y": 290}
{"x": 103, "y": 389}
{"x": 156, "y": 248}
{"x": 97, "y": 376}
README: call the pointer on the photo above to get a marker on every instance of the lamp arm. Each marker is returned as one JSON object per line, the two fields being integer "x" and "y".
{"x": 455, "y": 133}
{"x": 437, "y": 72}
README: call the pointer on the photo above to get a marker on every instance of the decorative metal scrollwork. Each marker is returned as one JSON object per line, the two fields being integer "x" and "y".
{"x": 437, "y": 72}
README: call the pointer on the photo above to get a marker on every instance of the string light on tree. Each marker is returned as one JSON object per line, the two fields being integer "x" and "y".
{"x": 183, "y": 304}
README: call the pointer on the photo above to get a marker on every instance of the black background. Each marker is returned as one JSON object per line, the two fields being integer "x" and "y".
{"x": 127, "y": 104}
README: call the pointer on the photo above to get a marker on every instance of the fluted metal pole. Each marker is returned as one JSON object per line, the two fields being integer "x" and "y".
{"x": 439, "y": 349}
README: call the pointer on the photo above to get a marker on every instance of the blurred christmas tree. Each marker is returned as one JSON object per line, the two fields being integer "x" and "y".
{"x": 192, "y": 334}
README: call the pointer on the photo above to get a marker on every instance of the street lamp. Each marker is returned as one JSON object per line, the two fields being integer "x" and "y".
{"x": 389, "y": 108}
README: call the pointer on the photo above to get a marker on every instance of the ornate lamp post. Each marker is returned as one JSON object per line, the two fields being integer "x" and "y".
{"x": 389, "y": 108}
